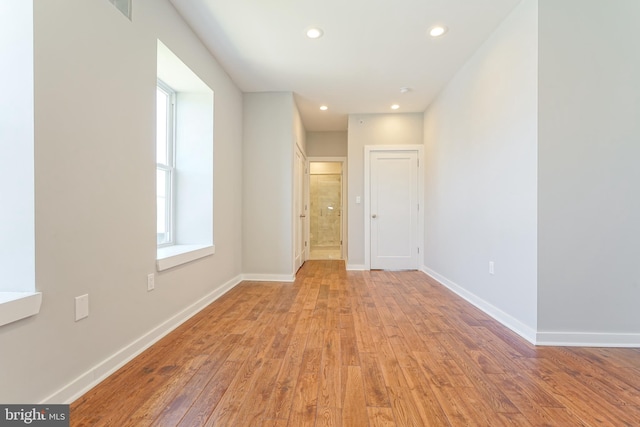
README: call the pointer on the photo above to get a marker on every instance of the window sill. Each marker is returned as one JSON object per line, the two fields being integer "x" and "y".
{"x": 18, "y": 305}
{"x": 173, "y": 256}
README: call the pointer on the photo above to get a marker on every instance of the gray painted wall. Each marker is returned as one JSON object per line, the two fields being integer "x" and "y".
{"x": 267, "y": 217}
{"x": 480, "y": 183}
{"x": 327, "y": 144}
{"x": 95, "y": 79}
{"x": 589, "y": 179}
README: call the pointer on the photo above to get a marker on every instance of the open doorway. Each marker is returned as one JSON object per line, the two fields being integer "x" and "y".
{"x": 326, "y": 214}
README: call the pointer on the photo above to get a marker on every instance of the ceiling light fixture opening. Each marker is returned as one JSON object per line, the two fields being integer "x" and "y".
{"x": 395, "y": 106}
{"x": 314, "y": 33}
{"x": 324, "y": 107}
{"x": 437, "y": 31}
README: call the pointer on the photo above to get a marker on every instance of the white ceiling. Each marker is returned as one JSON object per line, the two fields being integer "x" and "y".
{"x": 370, "y": 49}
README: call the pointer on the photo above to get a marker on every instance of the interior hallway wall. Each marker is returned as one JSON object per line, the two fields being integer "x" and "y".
{"x": 480, "y": 175}
{"x": 589, "y": 180}
{"x": 95, "y": 84}
{"x": 271, "y": 130}
{"x": 327, "y": 144}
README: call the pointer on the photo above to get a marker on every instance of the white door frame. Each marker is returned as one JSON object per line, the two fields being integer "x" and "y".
{"x": 343, "y": 223}
{"x": 368, "y": 149}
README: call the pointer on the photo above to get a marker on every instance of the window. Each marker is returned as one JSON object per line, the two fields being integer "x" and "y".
{"x": 184, "y": 163}
{"x": 18, "y": 296}
{"x": 165, "y": 165}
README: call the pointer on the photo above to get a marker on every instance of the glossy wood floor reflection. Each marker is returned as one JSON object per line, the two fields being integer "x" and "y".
{"x": 358, "y": 349}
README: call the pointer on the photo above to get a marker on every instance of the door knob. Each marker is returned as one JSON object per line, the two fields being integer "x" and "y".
{"x": 374, "y": 216}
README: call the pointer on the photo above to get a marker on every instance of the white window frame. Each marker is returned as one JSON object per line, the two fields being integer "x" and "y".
{"x": 170, "y": 166}
{"x": 192, "y": 204}
{"x": 19, "y": 297}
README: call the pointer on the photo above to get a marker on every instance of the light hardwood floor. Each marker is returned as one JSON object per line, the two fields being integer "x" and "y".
{"x": 355, "y": 349}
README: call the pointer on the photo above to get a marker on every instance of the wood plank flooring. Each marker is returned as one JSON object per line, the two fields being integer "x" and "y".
{"x": 354, "y": 349}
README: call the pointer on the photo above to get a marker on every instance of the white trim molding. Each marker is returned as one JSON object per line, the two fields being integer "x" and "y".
{"x": 507, "y": 320}
{"x": 173, "y": 256}
{"x": 545, "y": 338}
{"x": 356, "y": 267}
{"x": 108, "y": 366}
{"x": 269, "y": 277}
{"x": 588, "y": 339}
{"x": 15, "y": 306}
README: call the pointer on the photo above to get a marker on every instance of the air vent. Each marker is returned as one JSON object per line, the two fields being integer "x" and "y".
{"x": 123, "y": 6}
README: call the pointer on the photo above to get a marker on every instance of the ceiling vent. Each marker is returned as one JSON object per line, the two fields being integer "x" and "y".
{"x": 123, "y": 6}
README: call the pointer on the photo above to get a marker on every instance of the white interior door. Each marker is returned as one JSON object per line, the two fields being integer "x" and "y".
{"x": 394, "y": 210}
{"x": 300, "y": 212}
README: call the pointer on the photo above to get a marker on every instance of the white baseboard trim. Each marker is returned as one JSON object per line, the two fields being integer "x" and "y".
{"x": 507, "y": 320}
{"x": 355, "y": 267}
{"x": 102, "y": 370}
{"x": 558, "y": 339}
{"x": 269, "y": 277}
{"x": 588, "y": 339}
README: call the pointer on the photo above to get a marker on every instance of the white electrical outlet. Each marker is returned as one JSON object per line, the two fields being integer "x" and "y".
{"x": 151, "y": 282}
{"x": 82, "y": 307}
{"x": 491, "y": 268}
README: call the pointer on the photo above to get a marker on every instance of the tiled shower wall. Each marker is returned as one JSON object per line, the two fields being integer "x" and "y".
{"x": 326, "y": 209}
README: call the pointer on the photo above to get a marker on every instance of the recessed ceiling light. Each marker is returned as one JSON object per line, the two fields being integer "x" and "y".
{"x": 395, "y": 106}
{"x": 314, "y": 33}
{"x": 324, "y": 107}
{"x": 437, "y": 31}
